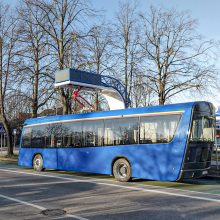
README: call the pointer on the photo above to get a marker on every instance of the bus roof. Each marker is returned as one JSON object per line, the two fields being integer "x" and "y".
{"x": 103, "y": 114}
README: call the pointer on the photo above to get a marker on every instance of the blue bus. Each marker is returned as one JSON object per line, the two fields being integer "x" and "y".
{"x": 167, "y": 143}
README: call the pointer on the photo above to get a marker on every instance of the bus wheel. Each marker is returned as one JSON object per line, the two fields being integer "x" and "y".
{"x": 122, "y": 170}
{"x": 38, "y": 163}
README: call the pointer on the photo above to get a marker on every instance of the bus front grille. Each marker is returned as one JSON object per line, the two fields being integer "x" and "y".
{"x": 198, "y": 156}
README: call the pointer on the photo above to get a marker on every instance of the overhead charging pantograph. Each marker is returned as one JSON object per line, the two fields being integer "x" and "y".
{"x": 112, "y": 89}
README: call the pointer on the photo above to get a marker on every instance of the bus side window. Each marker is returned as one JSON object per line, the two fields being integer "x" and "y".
{"x": 52, "y": 141}
{"x": 147, "y": 132}
{"x": 93, "y": 133}
{"x": 108, "y": 136}
{"x": 37, "y": 139}
{"x": 67, "y": 141}
{"x": 158, "y": 129}
{"x": 26, "y": 138}
{"x": 75, "y": 131}
{"x": 122, "y": 131}
{"x": 56, "y": 135}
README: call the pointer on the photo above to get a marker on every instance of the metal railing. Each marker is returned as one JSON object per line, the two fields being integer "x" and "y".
{"x": 108, "y": 81}
{"x": 217, "y": 151}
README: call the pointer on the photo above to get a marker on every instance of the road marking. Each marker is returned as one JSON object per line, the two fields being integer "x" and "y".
{"x": 23, "y": 202}
{"x": 38, "y": 207}
{"x": 76, "y": 217}
{"x": 113, "y": 181}
{"x": 37, "y": 184}
{"x": 71, "y": 216}
{"x": 95, "y": 179}
{"x": 122, "y": 186}
{"x": 37, "y": 174}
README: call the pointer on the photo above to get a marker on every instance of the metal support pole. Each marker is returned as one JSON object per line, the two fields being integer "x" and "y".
{"x": 4, "y": 140}
{"x": 216, "y": 152}
{"x": 1, "y": 142}
{"x": 14, "y": 141}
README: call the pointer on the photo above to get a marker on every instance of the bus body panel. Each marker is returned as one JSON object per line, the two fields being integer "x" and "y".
{"x": 146, "y": 160}
{"x": 152, "y": 166}
{"x": 149, "y": 166}
{"x": 99, "y": 160}
{"x": 114, "y": 113}
{"x": 158, "y": 161}
{"x": 26, "y": 156}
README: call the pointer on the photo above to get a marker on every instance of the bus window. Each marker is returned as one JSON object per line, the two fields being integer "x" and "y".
{"x": 93, "y": 133}
{"x": 49, "y": 136}
{"x": 26, "y": 137}
{"x": 108, "y": 136}
{"x": 74, "y": 136}
{"x": 202, "y": 129}
{"x": 37, "y": 139}
{"x": 59, "y": 132}
{"x": 54, "y": 134}
{"x": 158, "y": 129}
{"x": 121, "y": 131}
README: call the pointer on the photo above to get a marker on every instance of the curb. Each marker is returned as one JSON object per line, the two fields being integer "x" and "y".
{"x": 212, "y": 176}
{"x": 8, "y": 160}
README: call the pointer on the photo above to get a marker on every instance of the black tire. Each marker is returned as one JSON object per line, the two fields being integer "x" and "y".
{"x": 38, "y": 163}
{"x": 122, "y": 170}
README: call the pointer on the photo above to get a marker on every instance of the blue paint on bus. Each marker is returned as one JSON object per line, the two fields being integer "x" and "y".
{"x": 157, "y": 161}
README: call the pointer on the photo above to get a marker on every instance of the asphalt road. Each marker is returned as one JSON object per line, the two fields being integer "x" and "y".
{"x": 25, "y": 194}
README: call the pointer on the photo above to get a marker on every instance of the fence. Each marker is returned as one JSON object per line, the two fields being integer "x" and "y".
{"x": 3, "y": 142}
{"x": 216, "y": 156}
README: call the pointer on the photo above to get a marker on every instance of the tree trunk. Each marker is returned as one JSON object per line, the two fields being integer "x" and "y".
{"x": 161, "y": 98}
{"x": 65, "y": 102}
{"x": 36, "y": 84}
{"x": 2, "y": 110}
{"x": 34, "y": 110}
{"x": 96, "y": 102}
{"x": 9, "y": 136}
{"x": 9, "y": 142}
{"x": 35, "y": 97}
{"x": 126, "y": 65}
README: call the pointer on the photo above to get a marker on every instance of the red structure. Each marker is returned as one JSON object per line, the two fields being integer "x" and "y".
{"x": 80, "y": 100}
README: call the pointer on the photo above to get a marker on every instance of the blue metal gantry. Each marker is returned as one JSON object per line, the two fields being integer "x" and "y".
{"x": 112, "y": 89}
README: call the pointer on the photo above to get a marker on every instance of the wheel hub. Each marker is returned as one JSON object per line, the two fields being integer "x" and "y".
{"x": 37, "y": 162}
{"x": 123, "y": 170}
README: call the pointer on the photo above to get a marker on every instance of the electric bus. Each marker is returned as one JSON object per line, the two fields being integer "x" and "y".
{"x": 166, "y": 143}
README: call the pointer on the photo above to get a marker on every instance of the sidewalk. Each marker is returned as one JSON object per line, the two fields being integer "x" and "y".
{"x": 214, "y": 172}
{"x": 3, "y": 151}
{"x": 4, "y": 158}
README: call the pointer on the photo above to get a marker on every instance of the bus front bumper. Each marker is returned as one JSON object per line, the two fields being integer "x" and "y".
{"x": 191, "y": 174}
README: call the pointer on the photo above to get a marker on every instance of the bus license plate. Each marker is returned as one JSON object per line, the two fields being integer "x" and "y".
{"x": 204, "y": 172}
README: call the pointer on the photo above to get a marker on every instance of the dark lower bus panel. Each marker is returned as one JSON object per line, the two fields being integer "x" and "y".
{"x": 197, "y": 160}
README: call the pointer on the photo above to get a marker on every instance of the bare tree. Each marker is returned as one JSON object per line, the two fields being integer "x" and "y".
{"x": 18, "y": 108}
{"x": 17, "y": 103}
{"x": 7, "y": 61}
{"x": 34, "y": 52}
{"x": 97, "y": 47}
{"x": 63, "y": 19}
{"x": 126, "y": 43}
{"x": 176, "y": 58}
{"x": 142, "y": 94}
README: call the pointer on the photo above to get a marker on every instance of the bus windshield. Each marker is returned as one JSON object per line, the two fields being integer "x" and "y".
{"x": 202, "y": 129}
